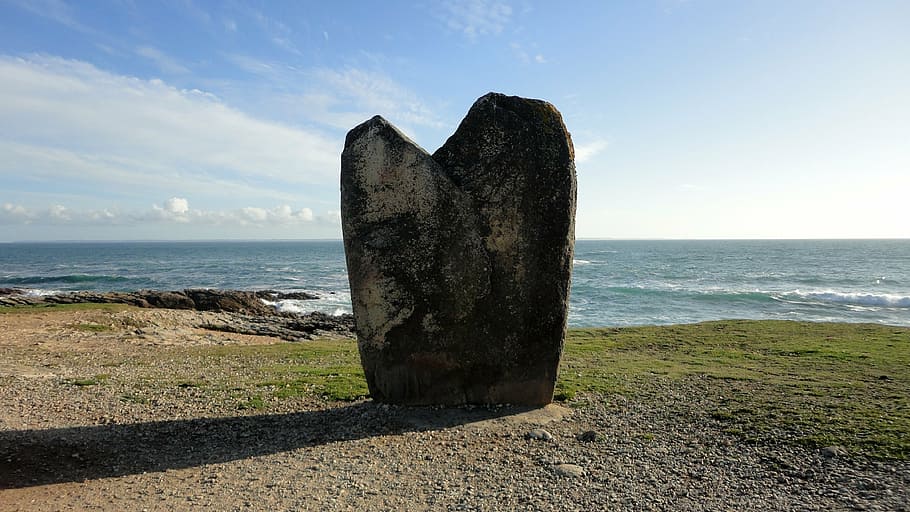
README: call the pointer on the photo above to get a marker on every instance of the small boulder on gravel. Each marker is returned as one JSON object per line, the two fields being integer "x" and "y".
{"x": 589, "y": 436}
{"x": 539, "y": 434}
{"x": 829, "y": 452}
{"x": 569, "y": 470}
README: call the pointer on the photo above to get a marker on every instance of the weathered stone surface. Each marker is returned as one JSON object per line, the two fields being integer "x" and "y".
{"x": 459, "y": 262}
{"x": 228, "y": 300}
{"x": 287, "y": 326}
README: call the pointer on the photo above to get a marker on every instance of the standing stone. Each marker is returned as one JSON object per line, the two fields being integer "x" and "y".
{"x": 459, "y": 262}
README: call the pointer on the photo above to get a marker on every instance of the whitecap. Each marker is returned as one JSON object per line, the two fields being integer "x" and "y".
{"x": 886, "y": 300}
{"x": 331, "y": 303}
{"x": 292, "y": 306}
{"x": 37, "y": 292}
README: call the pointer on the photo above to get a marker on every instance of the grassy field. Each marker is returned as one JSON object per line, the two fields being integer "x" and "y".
{"x": 808, "y": 383}
{"x": 815, "y": 384}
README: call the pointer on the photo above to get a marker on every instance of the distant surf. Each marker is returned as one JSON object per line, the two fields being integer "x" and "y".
{"x": 870, "y": 300}
{"x": 614, "y": 282}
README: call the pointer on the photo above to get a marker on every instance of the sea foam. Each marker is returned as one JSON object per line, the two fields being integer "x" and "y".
{"x": 885, "y": 300}
{"x": 334, "y": 304}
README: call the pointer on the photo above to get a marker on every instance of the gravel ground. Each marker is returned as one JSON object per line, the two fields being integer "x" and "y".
{"x": 126, "y": 444}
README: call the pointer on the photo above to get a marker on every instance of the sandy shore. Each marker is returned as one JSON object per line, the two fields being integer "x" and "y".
{"x": 143, "y": 436}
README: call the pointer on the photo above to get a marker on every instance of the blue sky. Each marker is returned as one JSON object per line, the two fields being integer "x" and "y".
{"x": 192, "y": 119}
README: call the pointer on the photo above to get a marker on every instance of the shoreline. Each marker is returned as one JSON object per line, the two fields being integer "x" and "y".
{"x": 613, "y": 283}
{"x": 267, "y": 303}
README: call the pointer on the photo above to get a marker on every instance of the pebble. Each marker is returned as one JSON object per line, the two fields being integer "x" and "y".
{"x": 833, "y": 451}
{"x": 589, "y": 436}
{"x": 539, "y": 434}
{"x": 569, "y": 470}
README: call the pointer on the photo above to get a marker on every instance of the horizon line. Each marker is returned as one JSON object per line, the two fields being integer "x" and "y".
{"x": 592, "y": 239}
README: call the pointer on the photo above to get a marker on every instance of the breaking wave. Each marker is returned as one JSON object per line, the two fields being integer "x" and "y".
{"x": 882, "y": 300}
{"x": 68, "y": 279}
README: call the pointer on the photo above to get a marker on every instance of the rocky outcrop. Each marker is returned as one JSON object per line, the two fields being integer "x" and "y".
{"x": 459, "y": 262}
{"x": 288, "y": 327}
{"x": 234, "y": 301}
{"x": 244, "y": 312}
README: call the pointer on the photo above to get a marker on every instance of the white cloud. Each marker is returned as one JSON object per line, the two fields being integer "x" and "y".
{"x": 253, "y": 214}
{"x": 165, "y": 63}
{"x": 475, "y": 18}
{"x": 334, "y": 216}
{"x": 584, "y": 152}
{"x": 174, "y": 210}
{"x": 178, "y": 210}
{"x": 11, "y": 213}
{"x": 252, "y": 65}
{"x": 521, "y": 53}
{"x": 277, "y": 32}
{"x": 336, "y": 98}
{"x": 177, "y": 205}
{"x": 68, "y": 119}
{"x": 54, "y": 10}
{"x": 57, "y": 214}
{"x": 364, "y": 93}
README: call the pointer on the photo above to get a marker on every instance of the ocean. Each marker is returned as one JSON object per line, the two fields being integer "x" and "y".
{"x": 614, "y": 282}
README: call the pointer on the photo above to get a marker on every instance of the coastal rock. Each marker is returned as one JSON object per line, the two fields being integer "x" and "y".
{"x": 274, "y": 295}
{"x": 234, "y": 301}
{"x": 459, "y": 262}
{"x": 286, "y": 327}
{"x": 168, "y": 300}
{"x": 242, "y": 312}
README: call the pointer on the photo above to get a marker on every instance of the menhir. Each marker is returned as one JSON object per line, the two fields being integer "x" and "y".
{"x": 459, "y": 262}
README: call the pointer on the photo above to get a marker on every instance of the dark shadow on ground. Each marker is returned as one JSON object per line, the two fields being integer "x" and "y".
{"x": 38, "y": 457}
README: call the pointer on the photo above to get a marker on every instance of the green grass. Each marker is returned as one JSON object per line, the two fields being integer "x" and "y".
{"x": 89, "y": 381}
{"x": 63, "y": 307}
{"x": 813, "y": 384}
{"x": 808, "y": 383}
{"x": 326, "y": 368}
{"x": 255, "y": 402}
{"x": 91, "y": 327}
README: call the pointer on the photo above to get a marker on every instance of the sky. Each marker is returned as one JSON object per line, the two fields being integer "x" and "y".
{"x": 210, "y": 119}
